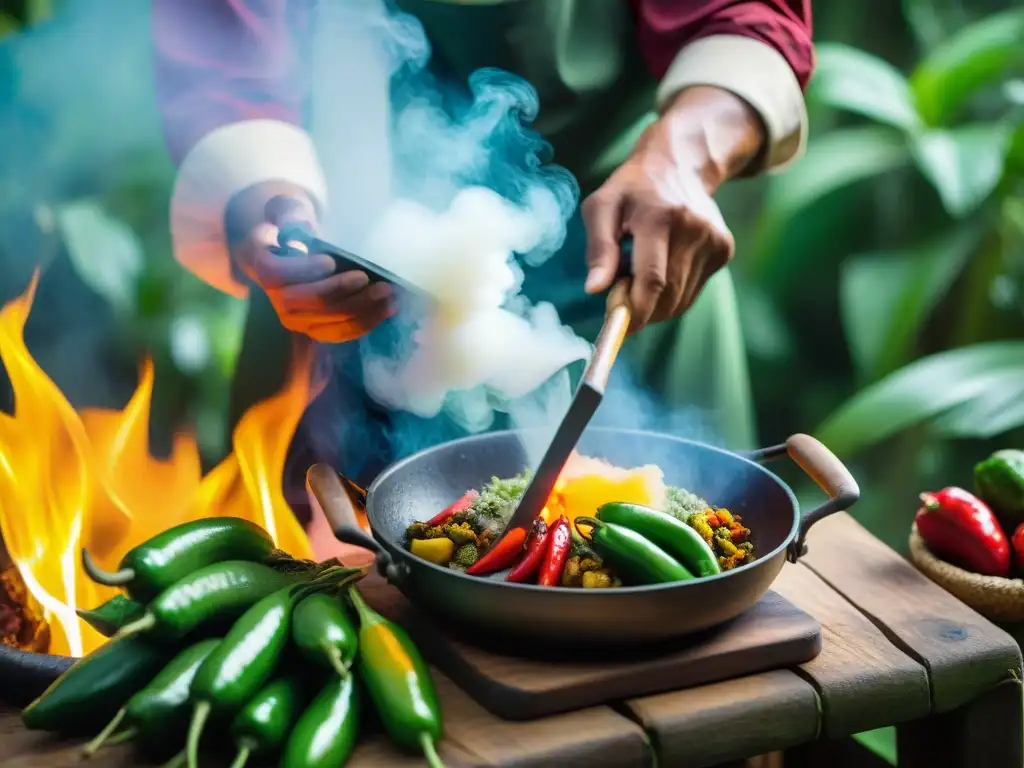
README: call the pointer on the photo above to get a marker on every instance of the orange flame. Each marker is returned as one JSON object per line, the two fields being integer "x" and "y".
{"x": 70, "y": 480}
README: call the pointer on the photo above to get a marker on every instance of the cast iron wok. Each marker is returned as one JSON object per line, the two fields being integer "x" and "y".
{"x": 417, "y": 487}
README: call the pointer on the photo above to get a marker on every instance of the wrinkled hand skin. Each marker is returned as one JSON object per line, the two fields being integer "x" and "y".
{"x": 663, "y": 196}
{"x": 306, "y": 293}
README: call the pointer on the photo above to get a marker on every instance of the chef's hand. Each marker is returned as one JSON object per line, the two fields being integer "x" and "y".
{"x": 306, "y": 293}
{"x": 662, "y": 196}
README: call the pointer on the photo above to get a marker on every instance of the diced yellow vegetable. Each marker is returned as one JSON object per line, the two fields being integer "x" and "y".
{"x": 596, "y": 580}
{"x": 437, "y": 551}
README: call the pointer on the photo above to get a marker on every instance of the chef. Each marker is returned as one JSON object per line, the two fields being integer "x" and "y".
{"x": 652, "y": 104}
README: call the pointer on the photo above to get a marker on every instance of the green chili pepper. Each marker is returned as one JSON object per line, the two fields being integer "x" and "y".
{"x": 324, "y": 634}
{"x": 91, "y": 692}
{"x": 263, "y": 725}
{"x": 247, "y": 657}
{"x": 160, "y": 709}
{"x": 108, "y": 618}
{"x": 153, "y": 566}
{"x": 999, "y": 480}
{"x": 398, "y": 681}
{"x": 633, "y": 556}
{"x": 671, "y": 534}
{"x": 217, "y": 593}
{"x": 326, "y": 733}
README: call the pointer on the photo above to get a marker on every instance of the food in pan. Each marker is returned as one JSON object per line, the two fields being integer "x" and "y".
{"x": 603, "y": 526}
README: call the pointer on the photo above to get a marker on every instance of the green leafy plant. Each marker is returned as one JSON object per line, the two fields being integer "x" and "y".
{"x": 954, "y": 123}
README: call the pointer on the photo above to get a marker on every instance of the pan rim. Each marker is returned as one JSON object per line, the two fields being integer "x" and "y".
{"x": 560, "y": 590}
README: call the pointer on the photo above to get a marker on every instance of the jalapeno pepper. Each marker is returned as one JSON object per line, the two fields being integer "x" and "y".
{"x": 535, "y": 549}
{"x": 633, "y": 556}
{"x": 153, "y": 566}
{"x": 108, "y": 618}
{"x": 398, "y": 681}
{"x": 501, "y": 555}
{"x": 160, "y": 709}
{"x": 91, "y": 692}
{"x": 459, "y": 505}
{"x": 263, "y": 725}
{"x": 247, "y": 657}
{"x": 326, "y": 732}
{"x": 999, "y": 481}
{"x": 323, "y": 633}
{"x": 559, "y": 544}
{"x": 217, "y": 593}
{"x": 672, "y": 535}
{"x": 1017, "y": 541}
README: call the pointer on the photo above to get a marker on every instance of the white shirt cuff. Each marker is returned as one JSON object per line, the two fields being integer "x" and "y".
{"x": 758, "y": 74}
{"x": 226, "y": 161}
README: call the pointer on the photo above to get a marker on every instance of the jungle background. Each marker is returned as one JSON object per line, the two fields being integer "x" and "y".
{"x": 881, "y": 278}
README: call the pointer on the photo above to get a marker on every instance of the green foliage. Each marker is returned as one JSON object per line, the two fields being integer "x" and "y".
{"x": 942, "y": 122}
{"x": 975, "y": 391}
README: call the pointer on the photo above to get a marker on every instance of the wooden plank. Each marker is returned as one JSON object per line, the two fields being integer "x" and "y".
{"x": 986, "y": 733}
{"x": 597, "y": 737}
{"x": 774, "y": 634}
{"x": 965, "y": 654}
{"x": 862, "y": 679}
{"x": 727, "y": 721}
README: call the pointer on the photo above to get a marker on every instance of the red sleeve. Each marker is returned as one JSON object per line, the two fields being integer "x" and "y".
{"x": 665, "y": 26}
{"x": 222, "y": 61}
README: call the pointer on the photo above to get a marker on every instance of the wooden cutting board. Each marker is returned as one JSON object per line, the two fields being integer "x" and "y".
{"x": 772, "y": 634}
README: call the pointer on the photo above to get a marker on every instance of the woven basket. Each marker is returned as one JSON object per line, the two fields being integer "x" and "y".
{"x": 993, "y": 597}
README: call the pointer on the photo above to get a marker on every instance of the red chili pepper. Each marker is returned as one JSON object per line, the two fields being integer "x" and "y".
{"x": 960, "y": 528}
{"x": 557, "y": 552}
{"x": 535, "y": 549}
{"x": 1018, "y": 545}
{"x": 459, "y": 505}
{"x": 501, "y": 555}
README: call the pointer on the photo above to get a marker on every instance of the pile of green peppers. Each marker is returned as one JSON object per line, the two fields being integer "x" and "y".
{"x": 216, "y": 628}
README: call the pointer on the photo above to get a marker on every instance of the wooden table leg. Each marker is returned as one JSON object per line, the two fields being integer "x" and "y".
{"x": 986, "y": 733}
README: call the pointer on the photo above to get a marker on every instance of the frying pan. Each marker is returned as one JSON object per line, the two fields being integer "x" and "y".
{"x": 420, "y": 485}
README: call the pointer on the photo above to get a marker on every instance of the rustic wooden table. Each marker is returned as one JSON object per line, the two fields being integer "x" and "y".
{"x": 898, "y": 650}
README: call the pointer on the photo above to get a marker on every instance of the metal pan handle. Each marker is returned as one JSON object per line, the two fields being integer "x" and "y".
{"x": 826, "y": 470}
{"x": 328, "y": 487}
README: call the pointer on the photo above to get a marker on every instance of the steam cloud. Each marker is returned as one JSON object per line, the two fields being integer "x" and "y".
{"x": 459, "y": 187}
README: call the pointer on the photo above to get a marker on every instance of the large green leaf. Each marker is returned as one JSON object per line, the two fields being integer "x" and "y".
{"x": 834, "y": 161}
{"x": 964, "y": 164}
{"x": 885, "y": 298}
{"x": 979, "y": 54}
{"x": 850, "y": 79}
{"x": 105, "y": 251}
{"x": 881, "y": 742}
{"x": 926, "y": 22}
{"x": 924, "y": 390}
{"x": 8, "y": 25}
{"x": 998, "y": 410}
{"x": 1015, "y": 155}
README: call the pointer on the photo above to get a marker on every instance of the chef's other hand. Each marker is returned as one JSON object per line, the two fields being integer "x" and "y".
{"x": 662, "y": 196}
{"x": 305, "y": 291}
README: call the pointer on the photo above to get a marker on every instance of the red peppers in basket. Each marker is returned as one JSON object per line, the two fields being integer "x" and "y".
{"x": 459, "y": 505}
{"x": 560, "y": 537}
{"x": 536, "y": 547}
{"x": 960, "y": 528}
{"x": 501, "y": 555}
{"x": 1018, "y": 545}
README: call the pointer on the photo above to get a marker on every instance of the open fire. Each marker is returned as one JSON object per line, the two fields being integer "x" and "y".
{"x": 70, "y": 480}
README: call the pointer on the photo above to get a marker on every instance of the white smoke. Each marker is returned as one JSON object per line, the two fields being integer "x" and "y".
{"x": 454, "y": 190}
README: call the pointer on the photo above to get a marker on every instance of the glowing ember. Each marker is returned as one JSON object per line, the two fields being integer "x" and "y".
{"x": 69, "y": 480}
